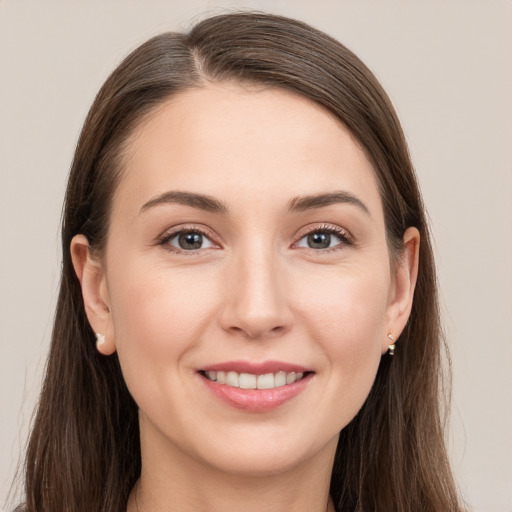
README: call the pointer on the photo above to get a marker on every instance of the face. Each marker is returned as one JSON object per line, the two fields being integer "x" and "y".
{"x": 246, "y": 249}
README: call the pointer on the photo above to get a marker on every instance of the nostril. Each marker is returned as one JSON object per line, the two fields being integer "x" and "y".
{"x": 257, "y": 333}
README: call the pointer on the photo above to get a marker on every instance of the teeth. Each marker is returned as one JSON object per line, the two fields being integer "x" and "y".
{"x": 249, "y": 381}
{"x": 266, "y": 381}
{"x": 280, "y": 379}
{"x": 232, "y": 379}
{"x": 290, "y": 377}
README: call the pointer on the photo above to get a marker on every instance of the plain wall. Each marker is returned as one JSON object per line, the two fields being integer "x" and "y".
{"x": 446, "y": 65}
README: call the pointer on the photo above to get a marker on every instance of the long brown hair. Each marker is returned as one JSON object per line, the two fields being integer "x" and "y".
{"x": 84, "y": 452}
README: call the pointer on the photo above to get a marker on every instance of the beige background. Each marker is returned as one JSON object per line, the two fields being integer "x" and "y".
{"x": 446, "y": 65}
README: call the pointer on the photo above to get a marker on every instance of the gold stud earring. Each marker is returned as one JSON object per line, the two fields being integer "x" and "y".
{"x": 391, "y": 348}
{"x": 100, "y": 340}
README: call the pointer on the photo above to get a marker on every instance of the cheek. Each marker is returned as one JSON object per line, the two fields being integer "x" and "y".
{"x": 158, "y": 318}
{"x": 348, "y": 306}
{"x": 346, "y": 316}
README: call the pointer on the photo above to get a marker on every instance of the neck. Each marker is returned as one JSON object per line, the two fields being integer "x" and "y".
{"x": 172, "y": 481}
{"x": 143, "y": 499}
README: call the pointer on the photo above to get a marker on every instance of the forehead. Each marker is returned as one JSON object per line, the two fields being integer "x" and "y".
{"x": 227, "y": 140}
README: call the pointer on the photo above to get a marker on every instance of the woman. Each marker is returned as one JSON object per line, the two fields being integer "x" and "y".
{"x": 247, "y": 316}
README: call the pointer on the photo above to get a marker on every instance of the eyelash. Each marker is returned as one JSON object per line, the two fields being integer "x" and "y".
{"x": 345, "y": 238}
{"x": 169, "y": 235}
{"x": 330, "y": 229}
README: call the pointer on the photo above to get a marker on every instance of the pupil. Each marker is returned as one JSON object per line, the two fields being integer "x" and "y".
{"x": 319, "y": 240}
{"x": 190, "y": 240}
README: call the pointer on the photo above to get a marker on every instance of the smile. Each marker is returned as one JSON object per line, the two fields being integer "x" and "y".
{"x": 251, "y": 381}
{"x": 256, "y": 387}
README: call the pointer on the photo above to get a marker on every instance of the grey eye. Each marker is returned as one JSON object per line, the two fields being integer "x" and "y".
{"x": 190, "y": 241}
{"x": 319, "y": 240}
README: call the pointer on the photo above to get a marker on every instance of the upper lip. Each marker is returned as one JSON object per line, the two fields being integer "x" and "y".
{"x": 255, "y": 368}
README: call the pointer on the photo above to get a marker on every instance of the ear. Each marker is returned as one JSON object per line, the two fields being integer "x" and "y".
{"x": 402, "y": 290}
{"x": 94, "y": 292}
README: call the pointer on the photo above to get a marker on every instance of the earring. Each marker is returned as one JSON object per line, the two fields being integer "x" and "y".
{"x": 391, "y": 347}
{"x": 100, "y": 339}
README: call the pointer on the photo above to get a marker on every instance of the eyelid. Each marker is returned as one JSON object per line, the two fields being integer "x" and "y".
{"x": 170, "y": 233}
{"x": 344, "y": 235}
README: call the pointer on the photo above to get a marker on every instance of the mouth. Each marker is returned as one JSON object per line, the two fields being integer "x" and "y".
{"x": 253, "y": 381}
{"x": 255, "y": 387}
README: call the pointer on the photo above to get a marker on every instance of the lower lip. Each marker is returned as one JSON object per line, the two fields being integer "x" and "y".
{"x": 256, "y": 400}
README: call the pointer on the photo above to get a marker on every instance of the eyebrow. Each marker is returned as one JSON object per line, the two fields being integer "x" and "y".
{"x": 201, "y": 201}
{"x": 297, "y": 204}
{"x": 302, "y": 203}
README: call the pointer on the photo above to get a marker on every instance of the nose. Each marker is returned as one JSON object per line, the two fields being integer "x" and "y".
{"x": 257, "y": 302}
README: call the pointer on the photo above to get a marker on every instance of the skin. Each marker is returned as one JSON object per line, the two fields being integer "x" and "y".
{"x": 254, "y": 291}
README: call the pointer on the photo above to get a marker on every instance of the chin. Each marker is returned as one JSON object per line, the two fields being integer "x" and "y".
{"x": 267, "y": 455}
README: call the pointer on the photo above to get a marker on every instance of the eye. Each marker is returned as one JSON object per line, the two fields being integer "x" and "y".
{"x": 188, "y": 240}
{"x": 324, "y": 238}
